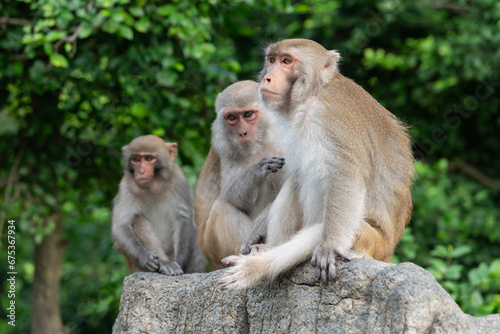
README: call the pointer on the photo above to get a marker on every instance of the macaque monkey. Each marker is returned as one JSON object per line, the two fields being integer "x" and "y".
{"x": 153, "y": 211}
{"x": 349, "y": 160}
{"x": 240, "y": 177}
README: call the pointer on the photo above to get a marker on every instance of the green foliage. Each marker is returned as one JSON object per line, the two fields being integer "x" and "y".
{"x": 80, "y": 79}
{"x": 454, "y": 234}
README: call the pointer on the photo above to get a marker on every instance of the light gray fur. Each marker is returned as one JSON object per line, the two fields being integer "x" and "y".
{"x": 164, "y": 213}
{"x": 249, "y": 178}
{"x": 244, "y": 170}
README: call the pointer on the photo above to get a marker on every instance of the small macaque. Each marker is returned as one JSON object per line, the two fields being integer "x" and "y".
{"x": 241, "y": 175}
{"x": 153, "y": 211}
{"x": 350, "y": 168}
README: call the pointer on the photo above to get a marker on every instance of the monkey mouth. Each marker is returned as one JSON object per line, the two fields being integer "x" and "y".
{"x": 143, "y": 182}
{"x": 269, "y": 92}
{"x": 245, "y": 142}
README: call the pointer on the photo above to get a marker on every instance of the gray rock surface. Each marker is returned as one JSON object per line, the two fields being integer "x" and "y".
{"x": 367, "y": 296}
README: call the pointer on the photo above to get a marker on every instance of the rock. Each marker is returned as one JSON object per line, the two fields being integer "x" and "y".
{"x": 367, "y": 296}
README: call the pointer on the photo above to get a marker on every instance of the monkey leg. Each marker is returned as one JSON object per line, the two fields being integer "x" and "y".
{"x": 373, "y": 241}
{"x": 257, "y": 234}
{"x": 198, "y": 262}
{"x": 402, "y": 216}
{"x": 148, "y": 236}
{"x": 285, "y": 215}
{"x": 225, "y": 231}
{"x": 130, "y": 263}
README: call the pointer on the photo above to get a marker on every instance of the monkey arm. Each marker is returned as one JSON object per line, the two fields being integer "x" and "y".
{"x": 258, "y": 233}
{"x": 343, "y": 218}
{"x": 243, "y": 192}
{"x": 124, "y": 235}
{"x": 184, "y": 236}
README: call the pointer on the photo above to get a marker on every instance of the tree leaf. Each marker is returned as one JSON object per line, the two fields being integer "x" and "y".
{"x": 126, "y": 32}
{"x": 58, "y": 60}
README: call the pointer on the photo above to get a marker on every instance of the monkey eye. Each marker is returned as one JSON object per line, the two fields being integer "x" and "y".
{"x": 149, "y": 158}
{"x": 287, "y": 61}
{"x": 136, "y": 158}
{"x": 231, "y": 117}
{"x": 248, "y": 113}
{"x": 272, "y": 60}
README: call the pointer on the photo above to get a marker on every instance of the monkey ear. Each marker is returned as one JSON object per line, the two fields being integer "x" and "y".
{"x": 330, "y": 66}
{"x": 172, "y": 150}
{"x": 125, "y": 151}
{"x": 335, "y": 54}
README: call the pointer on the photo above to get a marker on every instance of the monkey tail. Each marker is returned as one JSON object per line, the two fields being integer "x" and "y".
{"x": 248, "y": 270}
{"x": 295, "y": 251}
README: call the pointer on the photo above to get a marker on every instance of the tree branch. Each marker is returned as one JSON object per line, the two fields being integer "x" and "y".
{"x": 473, "y": 172}
{"x": 69, "y": 39}
{"x": 14, "y": 21}
{"x": 456, "y": 8}
{"x": 10, "y": 181}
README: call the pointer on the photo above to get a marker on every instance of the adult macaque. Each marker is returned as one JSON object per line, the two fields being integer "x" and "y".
{"x": 240, "y": 176}
{"x": 153, "y": 211}
{"x": 350, "y": 161}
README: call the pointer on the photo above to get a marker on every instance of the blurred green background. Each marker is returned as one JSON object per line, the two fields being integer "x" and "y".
{"x": 80, "y": 79}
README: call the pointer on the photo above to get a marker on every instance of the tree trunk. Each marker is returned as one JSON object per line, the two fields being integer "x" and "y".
{"x": 45, "y": 308}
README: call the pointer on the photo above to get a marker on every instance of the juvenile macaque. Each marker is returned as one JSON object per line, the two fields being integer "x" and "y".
{"x": 153, "y": 211}
{"x": 350, "y": 161}
{"x": 240, "y": 177}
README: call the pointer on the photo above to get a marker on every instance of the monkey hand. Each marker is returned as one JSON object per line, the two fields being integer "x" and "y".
{"x": 259, "y": 248}
{"x": 257, "y": 235}
{"x": 148, "y": 262}
{"x": 324, "y": 258}
{"x": 254, "y": 249}
{"x": 271, "y": 164}
{"x": 171, "y": 269}
{"x": 252, "y": 240}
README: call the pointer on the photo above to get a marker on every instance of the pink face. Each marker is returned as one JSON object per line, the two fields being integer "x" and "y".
{"x": 144, "y": 168}
{"x": 276, "y": 82}
{"x": 243, "y": 122}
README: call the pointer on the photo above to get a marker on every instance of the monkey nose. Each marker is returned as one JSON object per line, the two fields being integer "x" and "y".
{"x": 243, "y": 134}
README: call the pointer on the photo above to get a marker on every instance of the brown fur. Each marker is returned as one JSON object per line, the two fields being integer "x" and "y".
{"x": 386, "y": 146}
{"x": 350, "y": 162}
{"x": 208, "y": 185}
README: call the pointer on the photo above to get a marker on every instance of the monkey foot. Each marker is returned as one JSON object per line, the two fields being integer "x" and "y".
{"x": 170, "y": 269}
{"x": 324, "y": 259}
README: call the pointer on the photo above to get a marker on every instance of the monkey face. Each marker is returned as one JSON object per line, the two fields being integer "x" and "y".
{"x": 243, "y": 123}
{"x": 146, "y": 156}
{"x": 144, "y": 168}
{"x": 277, "y": 78}
{"x": 293, "y": 71}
